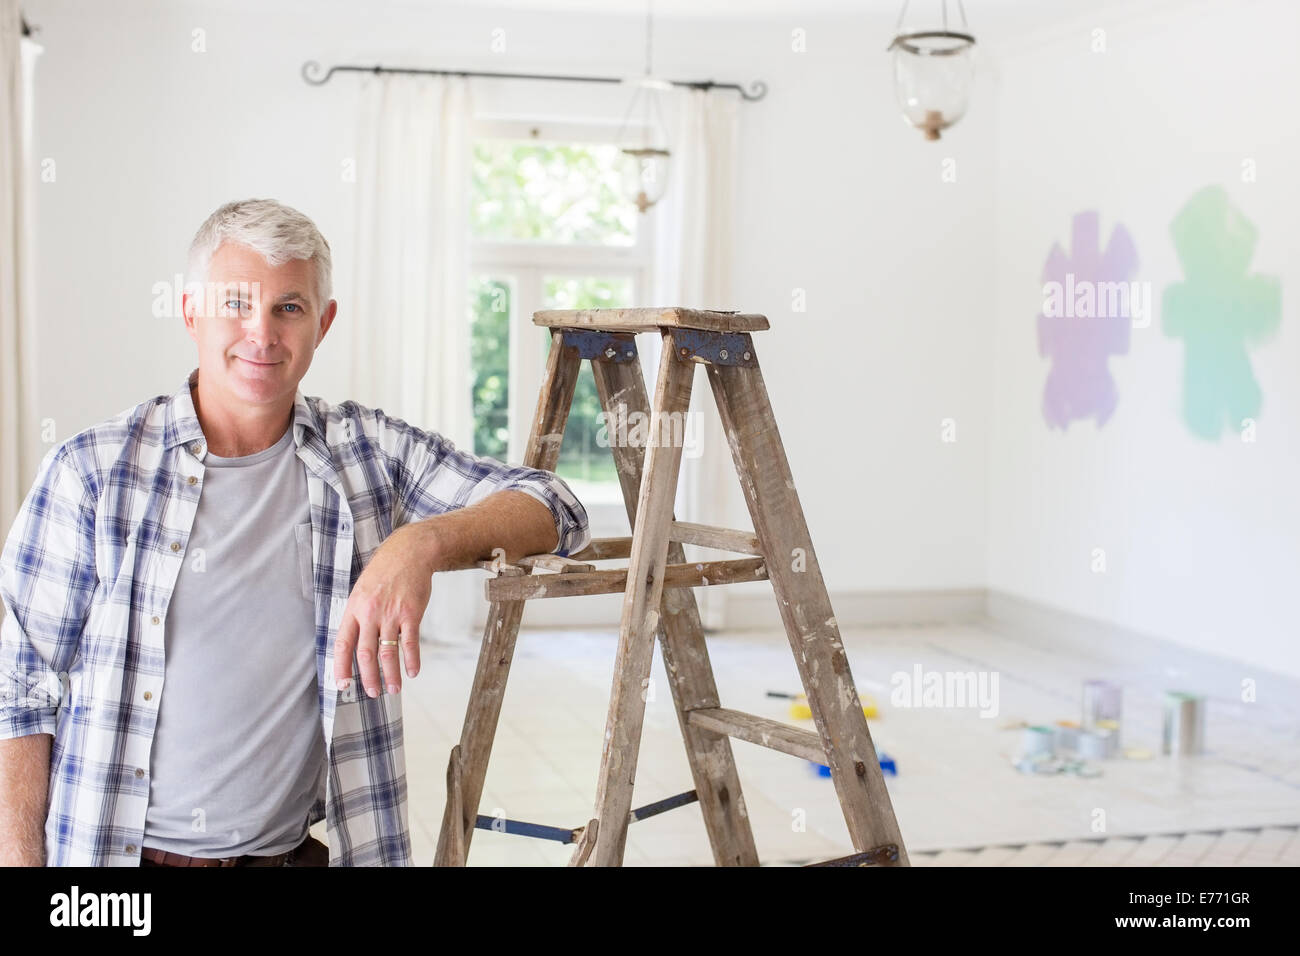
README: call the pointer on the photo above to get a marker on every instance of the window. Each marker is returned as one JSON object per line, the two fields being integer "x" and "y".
{"x": 563, "y": 193}
{"x": 582, "y": 458}
{"x": 550, "y": 229}
{"x": 489, "y": 303}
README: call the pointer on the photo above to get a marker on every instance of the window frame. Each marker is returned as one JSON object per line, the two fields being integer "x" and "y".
{"x": 528, "y": 263}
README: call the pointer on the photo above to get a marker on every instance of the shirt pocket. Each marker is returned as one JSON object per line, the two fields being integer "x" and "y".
{"x": 306, "y": 569}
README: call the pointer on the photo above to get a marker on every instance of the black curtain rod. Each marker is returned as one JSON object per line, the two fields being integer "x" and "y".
{"x": 757, "y": 90}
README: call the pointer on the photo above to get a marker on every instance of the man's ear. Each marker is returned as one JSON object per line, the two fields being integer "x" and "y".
{"x": 327, "y": 319}
{"x": 187, "y": 313}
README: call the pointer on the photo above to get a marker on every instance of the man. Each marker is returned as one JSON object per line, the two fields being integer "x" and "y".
{"x": 189, "y": 583}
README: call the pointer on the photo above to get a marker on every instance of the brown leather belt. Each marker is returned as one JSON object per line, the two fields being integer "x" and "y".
{"x": 167, "y": 858}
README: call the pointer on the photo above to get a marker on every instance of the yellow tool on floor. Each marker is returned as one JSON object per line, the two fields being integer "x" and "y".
{"x": 800, "y": 710}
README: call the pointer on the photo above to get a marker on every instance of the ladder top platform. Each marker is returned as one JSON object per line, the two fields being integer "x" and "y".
{"x": 650, "y": 319}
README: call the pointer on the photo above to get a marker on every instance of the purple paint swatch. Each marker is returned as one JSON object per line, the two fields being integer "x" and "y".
{"x": 1085, "y": 320}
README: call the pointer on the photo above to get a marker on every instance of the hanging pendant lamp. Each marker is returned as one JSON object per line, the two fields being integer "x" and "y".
{"x": 645, "y": 170}
{"x": 934, "y": 70}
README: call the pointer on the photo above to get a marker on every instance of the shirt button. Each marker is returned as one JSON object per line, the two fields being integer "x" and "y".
{"x": 196, "y": 448}
{"x": 138, "y": 773}
{"x": 130, "y": 848}
{"x": 156, "y": 619}
{"x": 191, "y": 480}
{"x": 176, "y": 545}
{"x": 148, "y": 695}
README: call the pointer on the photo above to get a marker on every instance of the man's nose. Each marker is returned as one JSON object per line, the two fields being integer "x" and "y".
{"x": 259, "y": 325}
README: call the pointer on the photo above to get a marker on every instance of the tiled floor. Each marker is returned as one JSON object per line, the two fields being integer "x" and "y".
{"x": 956, "y": 787}
{"x": 1263, "y": 846}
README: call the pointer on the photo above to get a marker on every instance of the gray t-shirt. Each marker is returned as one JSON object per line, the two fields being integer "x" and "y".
{"x": 239, "y": 754}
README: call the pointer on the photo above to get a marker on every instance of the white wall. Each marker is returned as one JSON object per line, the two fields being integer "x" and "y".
{"x": 838, "y": 198}
{"x": 921, "y": 301}
{"x": 1200, "y": 537}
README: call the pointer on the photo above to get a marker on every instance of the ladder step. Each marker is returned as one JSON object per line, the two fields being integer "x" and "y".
{"x": 699, "y": 574}
{"x": 650, "y": 319}
{"x": 711, "y": 536}
{"x": 683, "y": 532}
{"x": 759, "y": 730}
{"x": 602, "y": 549}
{"x": 552, "y": 562}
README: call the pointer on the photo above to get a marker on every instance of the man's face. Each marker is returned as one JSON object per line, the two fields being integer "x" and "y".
{"x": 256, "y": 326}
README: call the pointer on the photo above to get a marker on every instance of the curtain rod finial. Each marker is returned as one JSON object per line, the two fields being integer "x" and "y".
{"x": 310, "y": 67}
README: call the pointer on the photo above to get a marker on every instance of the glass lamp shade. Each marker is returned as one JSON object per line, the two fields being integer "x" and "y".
{"x": 933, "y": 75}
{"x": 645, "y": 175}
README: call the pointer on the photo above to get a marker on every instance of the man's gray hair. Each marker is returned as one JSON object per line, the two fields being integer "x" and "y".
{"x": 275, "y": 231}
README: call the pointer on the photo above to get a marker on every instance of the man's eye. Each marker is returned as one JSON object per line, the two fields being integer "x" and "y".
{"x": 235, "y": 304}
{"x": 292, "y": 305}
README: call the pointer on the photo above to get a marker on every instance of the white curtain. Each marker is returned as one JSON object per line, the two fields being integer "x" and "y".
{"x": 410, "y": 330}
{"x": 19, "y": 427}
{"x": 693, "y": 257}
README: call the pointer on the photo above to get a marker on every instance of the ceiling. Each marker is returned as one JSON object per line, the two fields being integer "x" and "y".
{"x": 1019, "y": 15}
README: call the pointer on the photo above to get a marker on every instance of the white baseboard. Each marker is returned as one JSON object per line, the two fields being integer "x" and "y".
{"x": 1116, "y": 649}
{"x": 749, "y": 612}
{"x": 1134, "y": 652}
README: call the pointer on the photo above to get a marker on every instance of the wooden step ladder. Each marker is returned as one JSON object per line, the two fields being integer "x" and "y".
{"x": 658, "y": 600}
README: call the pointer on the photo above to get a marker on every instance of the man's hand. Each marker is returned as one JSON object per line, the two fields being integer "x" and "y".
{"x": 386, "y": 604}
{"x": 392, "y": 592}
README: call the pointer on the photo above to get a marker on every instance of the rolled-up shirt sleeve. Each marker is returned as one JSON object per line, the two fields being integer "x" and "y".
{"x": 431, "y": 476}
{"x": 47, "y": 583}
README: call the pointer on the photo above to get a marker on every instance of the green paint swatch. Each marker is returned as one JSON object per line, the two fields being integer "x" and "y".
{"x": 1217, "y": 311}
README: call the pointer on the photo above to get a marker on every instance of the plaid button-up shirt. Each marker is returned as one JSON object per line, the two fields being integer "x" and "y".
{"x": 87, "y": 573}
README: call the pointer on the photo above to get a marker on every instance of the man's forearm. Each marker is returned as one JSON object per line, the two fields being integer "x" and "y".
{"x": 513, "y": 521}
{"x": 24, "y": 792}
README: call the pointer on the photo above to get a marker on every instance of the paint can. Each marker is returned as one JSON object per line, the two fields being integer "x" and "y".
{"x": 1036, "y": 740}
{"x": 1111, "y": 728}
{"x": 1097, "y": 744}
{"x": 1184, "y": 724}
{"x": 1101, "y": 706}
{"x": 1067, "y": 736}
